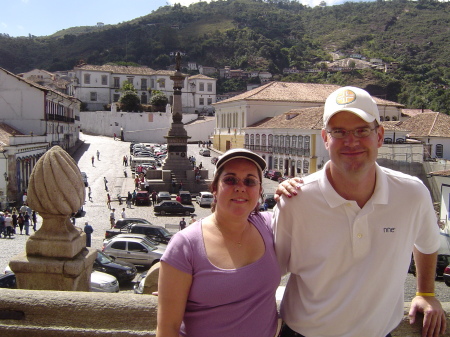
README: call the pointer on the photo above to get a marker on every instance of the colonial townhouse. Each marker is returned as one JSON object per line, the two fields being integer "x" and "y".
{"x": 233, "y": 115}
{"x": 432, "y": 129}
{"x": 98, "y": 86}
{"x": 291, "y": 142}
{"x": 33, "y": 118}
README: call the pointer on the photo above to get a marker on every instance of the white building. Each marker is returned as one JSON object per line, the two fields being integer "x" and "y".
{"x": 98, "y": 86}
{"x": 238, "y": 112}
{"x": 33, "y": 118}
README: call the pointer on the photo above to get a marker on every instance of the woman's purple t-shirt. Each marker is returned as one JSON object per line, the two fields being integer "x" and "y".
{"x": 227, "y": 302}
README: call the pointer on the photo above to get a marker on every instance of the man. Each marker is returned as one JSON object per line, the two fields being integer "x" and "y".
{"x": 182, "y": 224}
{"x": 112, "y": 217}
{"x": 123, "y": 215}
{"x": 106, "y": 184}
{"x": 347, "y": 237}
{"x": 88, "y": 230}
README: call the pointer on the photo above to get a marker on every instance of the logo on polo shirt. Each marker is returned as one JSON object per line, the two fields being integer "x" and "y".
{"x": 389, "y": 230}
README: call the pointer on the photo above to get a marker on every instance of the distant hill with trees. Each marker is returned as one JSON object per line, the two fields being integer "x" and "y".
{"x": 268, "y": 35}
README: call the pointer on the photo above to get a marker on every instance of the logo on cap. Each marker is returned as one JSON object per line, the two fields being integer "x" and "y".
{"x": 345, "y": 97}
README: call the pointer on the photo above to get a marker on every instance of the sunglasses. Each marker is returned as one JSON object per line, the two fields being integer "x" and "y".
{"x": 249, "y": 182}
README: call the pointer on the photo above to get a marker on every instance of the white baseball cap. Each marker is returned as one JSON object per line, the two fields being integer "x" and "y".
{"x": 352, "y": 99}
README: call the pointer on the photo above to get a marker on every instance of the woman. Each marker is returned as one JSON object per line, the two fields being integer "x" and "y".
{"x": 218, "y": 277}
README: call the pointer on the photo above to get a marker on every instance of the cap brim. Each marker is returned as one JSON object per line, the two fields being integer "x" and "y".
{"x": 360, "y": 113}
{"x": 241, "y": 154}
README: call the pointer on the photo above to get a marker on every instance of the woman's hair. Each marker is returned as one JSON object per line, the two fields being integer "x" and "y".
{"x": 215, "y": 182}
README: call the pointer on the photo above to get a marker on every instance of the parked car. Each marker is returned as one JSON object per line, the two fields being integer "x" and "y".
{"x": 446, "y": 275}
{"x": 8, "y": 280}
{"x": 146, "y": 238}
{"x": 214, "y": 160}
{"x": 140, "y": 282}
{"x": 186, "y": 198}
{"x": 156, "y": 233}
{"x": 443, "y": 260}
{"x": 123, "y": 271}
{"x": 204, "y": 199}
{"x": 85, "y": 178}
{"x": 273, "y": 174}
{"x": 205, "y": 152}
{"x": 163, "y": 195}
{"x": 142, "y": 198}
{"x": 283, "y": 178}
{"x": 173, "y": 207}
{"x": 124, "y": 222}
{"x": 102, "y": 282}
{"x": 269, "y": 199}
{"x": 134, "y": 250}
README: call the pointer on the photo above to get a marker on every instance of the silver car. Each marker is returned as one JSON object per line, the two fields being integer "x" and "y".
{"x": 138, "y": 251}
{"x": 102, "y": 282}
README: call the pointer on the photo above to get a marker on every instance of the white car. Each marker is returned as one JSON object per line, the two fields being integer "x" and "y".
{"x": 204, "y": 199}
{"x": 102, "y": 282}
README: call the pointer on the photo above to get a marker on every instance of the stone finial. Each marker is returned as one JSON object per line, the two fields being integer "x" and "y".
{"x": 56, "y": 191}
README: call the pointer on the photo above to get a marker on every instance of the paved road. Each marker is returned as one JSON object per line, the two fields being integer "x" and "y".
{"x": 97, "y": 213}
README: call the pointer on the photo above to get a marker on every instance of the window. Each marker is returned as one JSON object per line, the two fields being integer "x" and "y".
{"x": 93, "y": 96}
{"x": 305, "y": 167}
{"x": 87, "y": 78}
{"x": 130, "y": 79}
{"x": 210, "y": 87}
{"x": 275, "y": 163}
{"x": 201, "y": 101}
{"x": 277, "y": 139}
{"x": 306, "y": 147}
{"x": 439, "y": 150}
{"x": 116, "y": 82}
{"x": 202, "y": 86}
{"x": 152, "y": 83}
{"x": 120, "y": 245}
{"x": 209, "y": 101}
{"x": 294, "y": 143}
{"x": 299, "y": 167}
{"x": 263, "y": 142}
{"x": 162, "y": 83}
{"x": 143, "y": 84}
{"x": 136, "y": 247}
{"x": 247, "y": 143}
{"x": 288, "y": 145}
{"x": 104, "y": 80}
{"x": 116, "y": 97}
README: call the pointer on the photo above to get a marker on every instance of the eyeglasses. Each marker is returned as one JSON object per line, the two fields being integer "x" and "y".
{"x": 358, "y": 132}
{"x": 232, "y": 181}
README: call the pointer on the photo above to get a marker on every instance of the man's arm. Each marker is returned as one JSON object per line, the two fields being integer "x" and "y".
{"x": 434, "y": 321}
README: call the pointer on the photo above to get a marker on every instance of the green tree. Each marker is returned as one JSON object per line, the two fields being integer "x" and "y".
{"x": 129, "y": 100}
{"x": 159, "y": 100}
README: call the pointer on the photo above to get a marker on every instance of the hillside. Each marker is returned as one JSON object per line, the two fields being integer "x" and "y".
{"x": 268, "y": 35}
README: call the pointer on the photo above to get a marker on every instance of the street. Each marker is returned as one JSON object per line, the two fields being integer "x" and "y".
{"x": 96, "y": 211}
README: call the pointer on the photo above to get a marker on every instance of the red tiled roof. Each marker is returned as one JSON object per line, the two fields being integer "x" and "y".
{"x": 434, "y": 124}
{"x": 5, "y": 132}
{"x": 306, "y": 119}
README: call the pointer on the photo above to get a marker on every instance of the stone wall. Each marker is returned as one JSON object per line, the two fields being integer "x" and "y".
{"x": 61, "y": 313}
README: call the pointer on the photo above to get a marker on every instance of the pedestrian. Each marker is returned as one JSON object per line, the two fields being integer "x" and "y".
{"x": 182, "y": 224}
{"x": 154, "y": 195}
{"x": 88, "y": 230}
{"x": 114, "y": 136}
{"x": 129, "y": 199}
{"x": 200, "y": 166}
{"x": 232, "y": 246}
{"x": 8, "y": 225}
{"x": 89, "y": 193}
{"x": 124, "y": 160}
{"x": 26, "y": 223}
{"x": 106, "y": 184}
{"x": 20, "y": 221}
{"x": 2, "y": 225}
{"x": 98, "y": 155}
{"x": 24, "y": 197}
{"x": 349, "y": 217}
{"x": 14, "y": 220}
{"x": 123, "y": 214}
{"x": 192, "y": 220}
{"x": 133, "y": 199}
{"x": 92, "y": 159}
{"x": 112, "y": 217}
{"x": 108, "y": 200}
{"x": 34, "y": 219}
{"x": 178, "y": 198}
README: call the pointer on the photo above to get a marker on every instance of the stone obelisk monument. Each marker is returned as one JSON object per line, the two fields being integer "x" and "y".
{"x": 177, "y": 137}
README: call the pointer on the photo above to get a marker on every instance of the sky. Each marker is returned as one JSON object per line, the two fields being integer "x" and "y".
{"x": 46, "y": 17}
